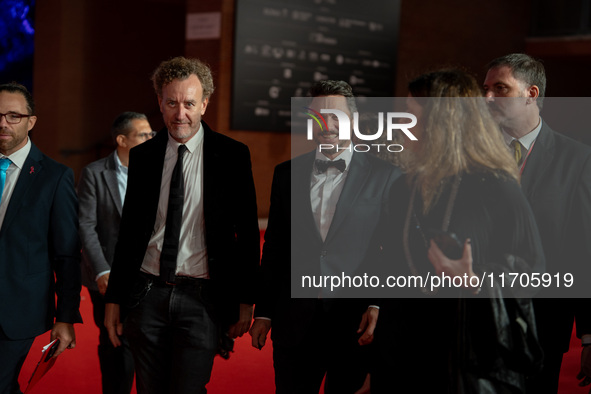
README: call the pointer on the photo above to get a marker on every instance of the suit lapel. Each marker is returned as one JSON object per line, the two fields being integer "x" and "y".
{"x": 30, "y": 172}
{"x": 301, "y": 206}
{"x": 210, "y": 157}
{"x": 538, "y": 160}
{"x": 110, "y": 177}
{"x": 358, "y": 174}
{"x": 154, "y": 164}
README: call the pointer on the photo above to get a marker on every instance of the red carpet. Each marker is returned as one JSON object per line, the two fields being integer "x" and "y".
{"x": 571, "y": 363}
{"x": 248, "y": 371}
{"x": 77, "y": 371}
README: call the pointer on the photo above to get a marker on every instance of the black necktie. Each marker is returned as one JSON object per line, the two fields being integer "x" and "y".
{"x": 322, "y": 165}
{"x": 174, "y": 218}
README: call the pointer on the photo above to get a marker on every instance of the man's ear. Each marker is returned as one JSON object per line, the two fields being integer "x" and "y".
{"x": 32, "y": 120}
{"x": 204, "y": 105}
{"x": 121, "y": 141}
{"x": 532, "y": 93}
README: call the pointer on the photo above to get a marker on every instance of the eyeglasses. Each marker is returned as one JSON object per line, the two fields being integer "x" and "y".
{"x": 145, "y": 136}
{"x": 13, "y": 117}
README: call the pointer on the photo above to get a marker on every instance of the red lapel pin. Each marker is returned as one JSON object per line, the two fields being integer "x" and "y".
{"x": 32, "y": 170}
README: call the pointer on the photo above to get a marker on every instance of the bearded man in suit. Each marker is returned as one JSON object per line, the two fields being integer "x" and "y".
{"x": 325, "y": 210}
{"x": 39, "y": 246}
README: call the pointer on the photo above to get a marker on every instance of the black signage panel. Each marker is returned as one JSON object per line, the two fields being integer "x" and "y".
{"x": 284, "y": 46}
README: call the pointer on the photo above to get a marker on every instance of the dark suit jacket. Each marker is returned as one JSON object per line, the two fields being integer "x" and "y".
{"x": 39, "y": 238}
{"x": 231, "y": 225}
{"x": 557, "y": 183}
{"x": 99, "y": 215}
{"x": 293, "y": 245}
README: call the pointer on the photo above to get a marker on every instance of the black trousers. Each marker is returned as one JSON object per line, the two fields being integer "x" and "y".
{"x": 173, "y": 339}
{"x": 12, "y": 358}
{"x": 117, "y": 367}
{"x": 546, "y": 382}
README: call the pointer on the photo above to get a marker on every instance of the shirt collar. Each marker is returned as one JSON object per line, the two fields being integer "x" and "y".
{"x": 18, "y": 158}
{"x": 345, "y": 154}
{"x": 192, "y": 145}
{"x": 528, "y": 139}
{"x": 118, "y": 164}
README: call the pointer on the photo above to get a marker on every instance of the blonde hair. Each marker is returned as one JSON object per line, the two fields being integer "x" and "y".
{"x": 459, "y": 135}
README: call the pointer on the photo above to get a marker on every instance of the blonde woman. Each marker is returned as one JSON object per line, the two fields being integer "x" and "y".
{"x": 458, "y": 212}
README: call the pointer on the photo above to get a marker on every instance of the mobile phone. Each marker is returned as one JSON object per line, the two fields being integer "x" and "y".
{"x": 449, "y": 244}
{"x": 51, "y": 351}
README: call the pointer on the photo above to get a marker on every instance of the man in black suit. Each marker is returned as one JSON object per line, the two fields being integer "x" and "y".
{"x": 188, "y": 249}
{"x": 101, "y": 191}
{"x": 556, "y": 179}
{"x": 39, "y": 248}
{"x": 325, "y": 208}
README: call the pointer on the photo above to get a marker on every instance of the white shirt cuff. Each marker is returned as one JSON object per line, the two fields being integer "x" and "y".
{"x": 101, "y": 274}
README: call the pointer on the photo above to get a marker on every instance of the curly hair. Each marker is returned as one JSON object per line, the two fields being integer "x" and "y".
{"x": 182, "y": 68}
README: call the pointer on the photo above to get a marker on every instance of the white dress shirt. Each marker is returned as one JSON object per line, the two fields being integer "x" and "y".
{"x": 325, "y": 191}
{"x": 192, "y": 254}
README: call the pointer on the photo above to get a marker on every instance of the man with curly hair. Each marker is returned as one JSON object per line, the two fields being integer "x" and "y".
{"x": 188, "y": 248}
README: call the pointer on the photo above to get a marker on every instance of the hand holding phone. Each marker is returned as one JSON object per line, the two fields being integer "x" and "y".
{"x": 449, "y": 244}
{"x": 51, "y": 351}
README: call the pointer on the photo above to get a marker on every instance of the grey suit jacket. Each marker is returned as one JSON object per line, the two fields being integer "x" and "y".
{"x": 99, "y": 215}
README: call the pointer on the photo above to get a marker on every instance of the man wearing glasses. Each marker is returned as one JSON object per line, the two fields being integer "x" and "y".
{"x": 39, "y": 245}
{"x": 101, "y": 192}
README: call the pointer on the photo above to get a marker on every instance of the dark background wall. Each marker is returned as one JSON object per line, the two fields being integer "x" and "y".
{"x": 93, "y": 60}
